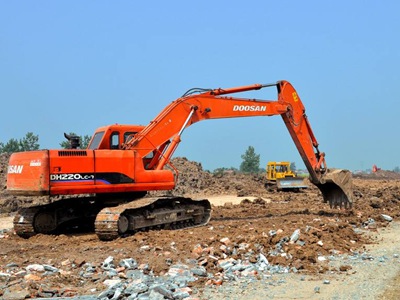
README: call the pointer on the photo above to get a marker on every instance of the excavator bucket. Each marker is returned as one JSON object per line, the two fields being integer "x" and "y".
{"x": 337, "y": 188}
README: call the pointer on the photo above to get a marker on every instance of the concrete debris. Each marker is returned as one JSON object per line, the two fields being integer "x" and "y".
{"x": 387, "y": 217}
{"x": 127, "y": 279}
{"x": 295, "y": 236}
{"x": 35, "y": 267}
{"x": 326, "y": 281}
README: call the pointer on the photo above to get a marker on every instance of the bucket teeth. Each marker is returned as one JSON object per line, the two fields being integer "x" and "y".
{"x": 340, "y": 202}
{"x": 336, "y": 187}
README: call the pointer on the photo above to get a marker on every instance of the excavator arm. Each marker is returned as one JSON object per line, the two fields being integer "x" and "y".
{"x": 164, "y": 132}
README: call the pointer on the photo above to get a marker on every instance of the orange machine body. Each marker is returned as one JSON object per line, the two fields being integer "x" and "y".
{"x": 105, "y": 169}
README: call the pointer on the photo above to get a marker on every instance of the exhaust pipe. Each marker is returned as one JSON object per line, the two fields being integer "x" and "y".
{"x": 337, "y": 188}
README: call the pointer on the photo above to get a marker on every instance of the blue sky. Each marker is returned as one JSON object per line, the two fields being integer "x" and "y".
{"x": 73, "y": 66}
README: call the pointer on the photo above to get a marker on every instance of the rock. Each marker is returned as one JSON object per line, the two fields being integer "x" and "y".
{"x": 180, "y": 295}
{"x": 387, "y": 218}
{"x": 4, "y": 276}
{"x": 66, "y": 262}
{"x": 136, "y": 288}
{"x": 117, "y": 293}
{"x": 21, "y": 273}
{"x": 272, "y": 232}
{"x": 263, "y": 259}
{"x": 345, "y": 268}
{"x": 295, "y": 236}
{"x": 154, "y": 295}
{"x": 12, "y": 265}
{"x": 35, "y": 267}
{"x": 163, "y": 291}
{"x": 50, "y": 269}
{"x": 226, "y": 241}
{"x": 113, "y": 285}
{"x": 111, "y": 282}
{"x": 197, "y": 251}
{"x": 199, "y": 271}
{"x": 108, "y": 263}
{"x": 15, "y": 293}
{"x": 32, "y": 277}
{"x": 128, "y": 263}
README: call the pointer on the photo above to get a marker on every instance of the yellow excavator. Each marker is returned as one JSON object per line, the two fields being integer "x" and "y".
{"x": 280, "y": 176}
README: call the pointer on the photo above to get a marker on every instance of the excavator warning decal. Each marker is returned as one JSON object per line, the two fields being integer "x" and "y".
{"x": 295, "y": 97}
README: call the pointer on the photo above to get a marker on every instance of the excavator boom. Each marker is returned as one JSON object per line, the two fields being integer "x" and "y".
{"x": 335, "y": 185}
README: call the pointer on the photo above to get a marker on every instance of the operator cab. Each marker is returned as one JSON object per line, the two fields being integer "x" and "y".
{"x": 113, "y": 136}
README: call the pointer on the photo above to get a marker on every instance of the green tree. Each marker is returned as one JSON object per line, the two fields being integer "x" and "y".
{"x": 10, "y": 147}
{"x": 29, "y": 142}
{"x": 85, "y": 141}
{"x": 251, "y": 161}
{"x": 396, "y": 169}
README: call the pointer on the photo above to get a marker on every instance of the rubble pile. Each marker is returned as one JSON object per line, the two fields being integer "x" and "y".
{"x": 128, "y": 278}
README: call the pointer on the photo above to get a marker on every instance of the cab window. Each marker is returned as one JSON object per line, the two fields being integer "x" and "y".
{"x": 128, "y": 136}
{"x": 114, "y": 140}
{"x": 96, "y": 140}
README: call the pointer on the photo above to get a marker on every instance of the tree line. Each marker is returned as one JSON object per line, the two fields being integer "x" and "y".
{"x": 30, "y": 142}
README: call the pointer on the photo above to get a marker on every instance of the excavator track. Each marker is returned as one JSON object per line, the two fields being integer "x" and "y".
{"x": 151, "y": 213}
{"x": 56, "y": 217}
{"x": 24, "y": 220}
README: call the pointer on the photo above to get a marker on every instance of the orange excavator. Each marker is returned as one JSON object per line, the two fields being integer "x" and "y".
{"x": 105, "y": 185}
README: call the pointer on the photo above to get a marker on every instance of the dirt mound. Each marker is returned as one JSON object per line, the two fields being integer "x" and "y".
{"x": 380, "y": 174}
{"x": 192, "y": 180}
{"x": 7, "y": 203}
{"x": 4, "y": 157}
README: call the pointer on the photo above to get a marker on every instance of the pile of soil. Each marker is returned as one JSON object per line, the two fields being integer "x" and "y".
{"x": 4, "y": 157}
{"x": 380, "y": 174}
{"x": 192, "y": 180}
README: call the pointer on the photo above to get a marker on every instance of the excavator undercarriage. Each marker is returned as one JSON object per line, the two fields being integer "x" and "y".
{"x": 111, "y": 221}
{"x": 151, "y": 213}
